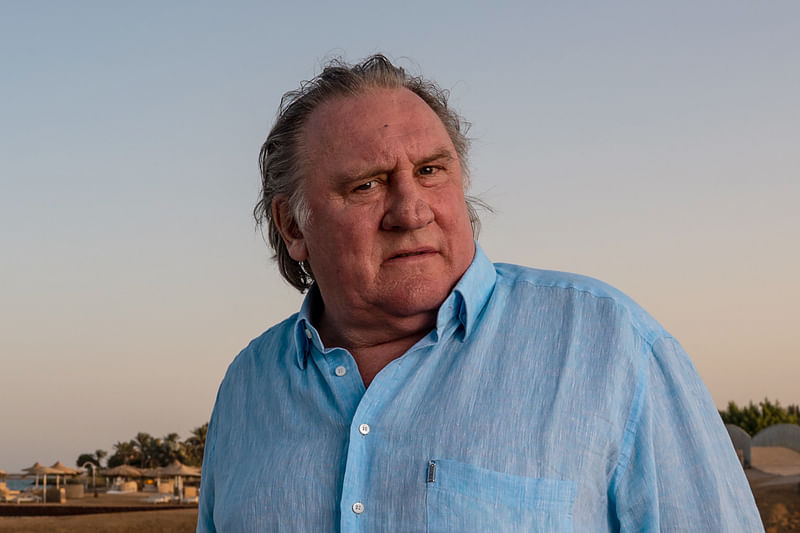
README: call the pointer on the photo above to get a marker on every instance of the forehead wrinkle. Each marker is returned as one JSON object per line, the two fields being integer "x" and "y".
{"x": 378, "y": 145}
{"x": 388, "y": 160}
{"x": 367, "y": 163}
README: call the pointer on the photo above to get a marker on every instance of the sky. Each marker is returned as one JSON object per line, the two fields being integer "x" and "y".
{"x": 653, "y": 146}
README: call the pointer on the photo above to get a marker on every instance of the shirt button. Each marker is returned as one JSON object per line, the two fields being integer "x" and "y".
{"x": 308, "y": 333}
{"x": 363, "y": 429}
{"x": 340, "y": 371}
{"x": 358, "y": 507}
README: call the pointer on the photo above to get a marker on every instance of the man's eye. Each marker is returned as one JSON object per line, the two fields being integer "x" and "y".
{"x": 366, "y": 186}
{"x": 427, "y": 170}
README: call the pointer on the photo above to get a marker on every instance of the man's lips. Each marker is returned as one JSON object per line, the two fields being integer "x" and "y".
{"x": 412, "y": 253}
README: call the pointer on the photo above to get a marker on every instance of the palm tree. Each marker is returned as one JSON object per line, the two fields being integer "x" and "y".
{"x": 171, "y": 449}
{"x": 95, "y": 458}
{"x": 99, "y": 455}
{"x": 124, "y": 453}
{"x": 195, "y": 445}
{"x": 146, "y": 447}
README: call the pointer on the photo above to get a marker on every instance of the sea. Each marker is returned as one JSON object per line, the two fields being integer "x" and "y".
{"x": 18, "y": 484}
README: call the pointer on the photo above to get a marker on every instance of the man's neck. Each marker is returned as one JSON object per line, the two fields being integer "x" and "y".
{"x": 376, "y": 346}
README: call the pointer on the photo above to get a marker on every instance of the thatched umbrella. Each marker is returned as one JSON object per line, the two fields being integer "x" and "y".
{"x": 153, "y": 473}
{"x": 67, "y": 471}
{"x": 122, "y": 471}
{"x": 35, "y": 466}
{"x": 180, "y": 470}
{"x": 3, "y": 474}
{"x": 63, "y": 470}
{"x": 38, "y": 469}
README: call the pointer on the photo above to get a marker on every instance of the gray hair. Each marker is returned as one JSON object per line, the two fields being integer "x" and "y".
{"x": 279, "y": 159}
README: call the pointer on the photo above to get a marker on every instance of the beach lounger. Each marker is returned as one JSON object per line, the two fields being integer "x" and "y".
{"x": 159, "y": 498}
{"x": 25, "y": 497}
{"x": 6, "y": 494}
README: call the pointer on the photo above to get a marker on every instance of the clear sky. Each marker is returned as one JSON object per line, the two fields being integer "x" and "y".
{"x": 654, "y": 146}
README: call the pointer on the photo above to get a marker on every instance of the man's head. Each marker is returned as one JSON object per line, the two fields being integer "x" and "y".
{"x": 284, "y": 158}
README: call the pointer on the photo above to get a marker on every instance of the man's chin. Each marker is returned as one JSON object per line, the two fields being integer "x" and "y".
{"x": 414, "y": 298}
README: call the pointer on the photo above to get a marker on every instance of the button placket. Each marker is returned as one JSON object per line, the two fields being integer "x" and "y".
{"x": 361, "y": 453}
{"x": 356, "y": 485}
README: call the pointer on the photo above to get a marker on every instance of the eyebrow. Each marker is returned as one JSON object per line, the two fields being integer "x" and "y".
{"x": 440, "y": 154}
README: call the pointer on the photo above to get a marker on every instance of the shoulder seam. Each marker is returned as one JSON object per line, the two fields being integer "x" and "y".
{"x": 649, "y": 340}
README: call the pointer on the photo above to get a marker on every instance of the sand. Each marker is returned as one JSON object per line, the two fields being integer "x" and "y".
{"x": 178, "y": 521}
{"x": 157, "y": 519}
{"x": 778, "y": 502}
{"x": 774, "y": 479}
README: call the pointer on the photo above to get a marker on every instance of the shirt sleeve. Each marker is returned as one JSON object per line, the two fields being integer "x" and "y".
{"x": 678, "y": 470}
{"x": 205, "y": 514}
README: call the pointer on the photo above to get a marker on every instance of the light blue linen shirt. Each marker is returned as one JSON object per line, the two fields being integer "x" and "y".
{"x": 541, "y": 402}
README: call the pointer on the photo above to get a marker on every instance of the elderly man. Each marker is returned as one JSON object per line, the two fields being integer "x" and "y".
{"x": 423, "y": 388}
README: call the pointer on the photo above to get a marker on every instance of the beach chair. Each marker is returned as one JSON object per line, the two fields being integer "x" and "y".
{"x": 25, "y": 497}
{"x": 6, "y": 494}
{"x": 159, "y": 498}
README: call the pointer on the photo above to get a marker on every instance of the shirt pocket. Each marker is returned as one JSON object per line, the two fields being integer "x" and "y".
{"x": 465, "y": 498}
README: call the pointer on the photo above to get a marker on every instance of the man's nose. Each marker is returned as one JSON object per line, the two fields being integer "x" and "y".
{"x": 406, "y": 205}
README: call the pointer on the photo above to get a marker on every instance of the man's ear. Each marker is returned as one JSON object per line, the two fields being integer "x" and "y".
{"x": 290, "y": 231}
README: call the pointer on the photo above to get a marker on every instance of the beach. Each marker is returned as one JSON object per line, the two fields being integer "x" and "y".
{"x": 112, "y": 513}
{"x": 179, "y": 521}
{"x": 779, "y": 506}
{"x": 774, "y": 479}
{"x": 775, "y": 482}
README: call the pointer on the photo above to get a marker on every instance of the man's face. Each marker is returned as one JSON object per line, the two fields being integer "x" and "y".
{"x": 389, "y": 231}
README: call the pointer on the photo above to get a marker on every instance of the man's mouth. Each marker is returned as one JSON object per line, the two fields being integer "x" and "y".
{"x": 413, "y": 253}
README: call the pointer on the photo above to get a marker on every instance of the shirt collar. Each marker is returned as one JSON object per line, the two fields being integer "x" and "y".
{"x": 470, "y": 294}
{"x": 464, "y": 304}
{"x": 304, "y": 331}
